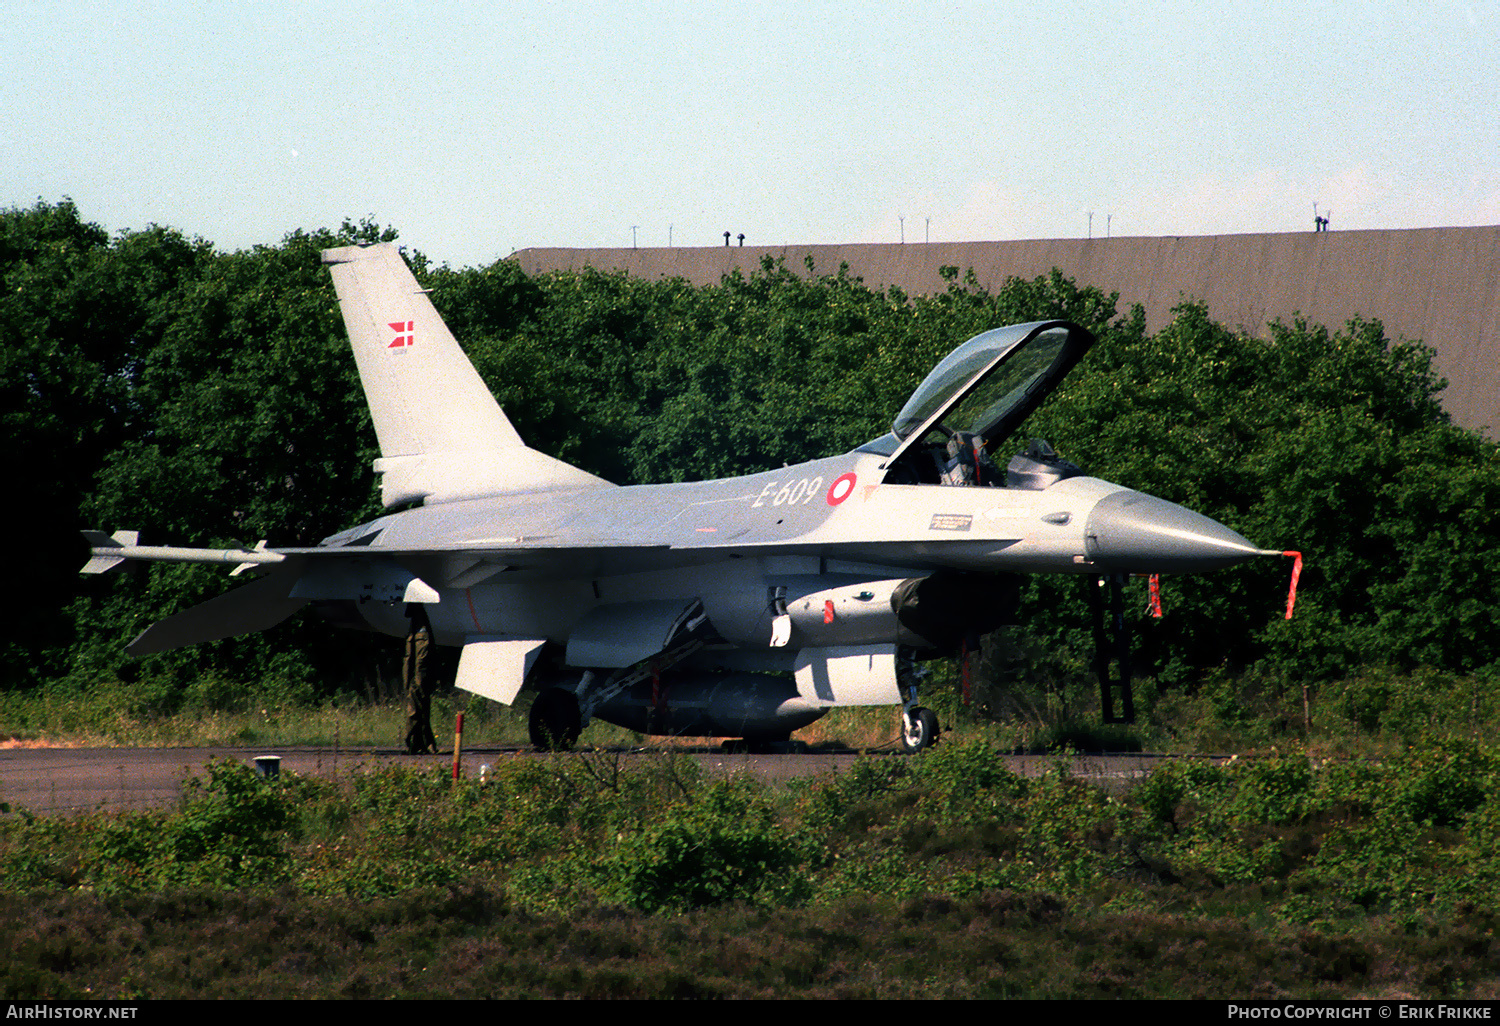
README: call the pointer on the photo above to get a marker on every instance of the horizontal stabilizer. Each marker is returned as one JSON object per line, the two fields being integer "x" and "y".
{"x": 255, "y": 607}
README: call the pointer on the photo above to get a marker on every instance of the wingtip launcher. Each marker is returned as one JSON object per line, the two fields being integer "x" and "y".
{"x": 108, "y": 551}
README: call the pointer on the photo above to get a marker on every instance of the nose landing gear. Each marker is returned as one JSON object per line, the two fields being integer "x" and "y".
{"x": 919, "y": 728}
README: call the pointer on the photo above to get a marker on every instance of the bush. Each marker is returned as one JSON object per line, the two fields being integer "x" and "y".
{"x": 1441, "y": 781}
{"x": 229, "y": 833}
{"x": 726, "y": 846}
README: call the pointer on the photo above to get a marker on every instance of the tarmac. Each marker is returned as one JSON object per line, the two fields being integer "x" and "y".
{"x": 44, "y": 780}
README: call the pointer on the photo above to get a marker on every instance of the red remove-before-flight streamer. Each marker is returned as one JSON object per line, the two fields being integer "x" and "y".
{"x": 1291, "y": 594}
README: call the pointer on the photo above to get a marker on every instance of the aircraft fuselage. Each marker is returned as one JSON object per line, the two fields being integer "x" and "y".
{"x": 728, "y": 541}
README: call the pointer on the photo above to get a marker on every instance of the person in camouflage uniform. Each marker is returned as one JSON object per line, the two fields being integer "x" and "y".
{"x": 416, "y": 674}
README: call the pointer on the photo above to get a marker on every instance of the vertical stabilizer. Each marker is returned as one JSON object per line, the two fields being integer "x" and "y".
{"x": 442, "y": 435}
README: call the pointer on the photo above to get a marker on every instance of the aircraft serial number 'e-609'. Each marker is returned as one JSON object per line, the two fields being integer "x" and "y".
{"x": 740, "y": 608}
{"x": 800, "y": 491}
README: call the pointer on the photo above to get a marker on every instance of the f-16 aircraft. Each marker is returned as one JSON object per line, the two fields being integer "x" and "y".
{"x": 742, "y": 608}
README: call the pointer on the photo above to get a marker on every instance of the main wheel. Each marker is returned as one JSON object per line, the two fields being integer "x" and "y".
{"x": 555, "y": 720}
{"x": 919, "y": 729}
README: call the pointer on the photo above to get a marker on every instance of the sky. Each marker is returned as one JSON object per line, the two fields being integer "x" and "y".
{"x": 477, "y": 130}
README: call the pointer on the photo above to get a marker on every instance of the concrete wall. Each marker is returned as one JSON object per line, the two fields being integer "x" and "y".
{"x": 1440, "y": 285}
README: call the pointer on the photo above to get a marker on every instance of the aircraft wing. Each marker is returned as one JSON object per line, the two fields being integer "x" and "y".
{"x": 293, "y": 578}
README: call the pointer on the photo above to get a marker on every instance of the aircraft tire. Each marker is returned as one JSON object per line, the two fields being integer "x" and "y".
{"x": 919, "y": 730}
{"x": 555, "y": 721}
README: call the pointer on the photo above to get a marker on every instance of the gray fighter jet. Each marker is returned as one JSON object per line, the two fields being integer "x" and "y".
{"x": 740, "y": 608}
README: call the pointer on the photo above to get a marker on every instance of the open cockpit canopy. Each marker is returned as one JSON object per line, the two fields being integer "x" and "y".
{"x": 987, "y": 386}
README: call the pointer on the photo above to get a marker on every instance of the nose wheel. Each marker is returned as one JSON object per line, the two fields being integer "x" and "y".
{"x": 919, "y": 728}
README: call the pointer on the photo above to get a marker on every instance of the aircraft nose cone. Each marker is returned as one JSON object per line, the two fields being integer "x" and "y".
{"x": 1132, "y": 532}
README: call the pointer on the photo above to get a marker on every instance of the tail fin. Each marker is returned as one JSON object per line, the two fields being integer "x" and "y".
{"x": 442, "y": 435}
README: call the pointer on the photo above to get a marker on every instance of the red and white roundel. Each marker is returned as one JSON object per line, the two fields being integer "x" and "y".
{"x": 841, "y": 489}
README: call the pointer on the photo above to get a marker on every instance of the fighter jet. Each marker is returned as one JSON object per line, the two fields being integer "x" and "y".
{"x": 742, "y": 608}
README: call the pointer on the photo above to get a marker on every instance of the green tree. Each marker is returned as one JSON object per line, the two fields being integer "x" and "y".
{"x": 209, "y": 399}
{"x": 238, "y": 416}
{"x": 79, "y": 313}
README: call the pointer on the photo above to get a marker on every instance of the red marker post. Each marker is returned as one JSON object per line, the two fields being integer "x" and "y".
{"x": 458, "y": 743}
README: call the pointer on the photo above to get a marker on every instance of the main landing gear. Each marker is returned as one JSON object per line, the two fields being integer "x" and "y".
{"x": 555, "y": 721}
{"x": 560, "y": 712}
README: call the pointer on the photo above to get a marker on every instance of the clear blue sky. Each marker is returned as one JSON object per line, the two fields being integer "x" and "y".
{"x": 477, "y": 130}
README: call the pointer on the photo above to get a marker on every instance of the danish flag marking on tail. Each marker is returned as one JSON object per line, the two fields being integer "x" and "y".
{"x": 404, "y": 335}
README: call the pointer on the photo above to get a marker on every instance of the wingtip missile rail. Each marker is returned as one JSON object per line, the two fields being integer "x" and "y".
{"x": 109, "y": 551}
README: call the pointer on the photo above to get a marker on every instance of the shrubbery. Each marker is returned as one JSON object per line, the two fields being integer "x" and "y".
{"x": 951, "y": 851}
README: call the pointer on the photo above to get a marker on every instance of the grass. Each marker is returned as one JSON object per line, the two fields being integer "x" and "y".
{"x": 1372, "y": 712}
{"x": 941, "y": 876}
{"x": 103, "y": 717}
{"x": 472, "y": 943}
